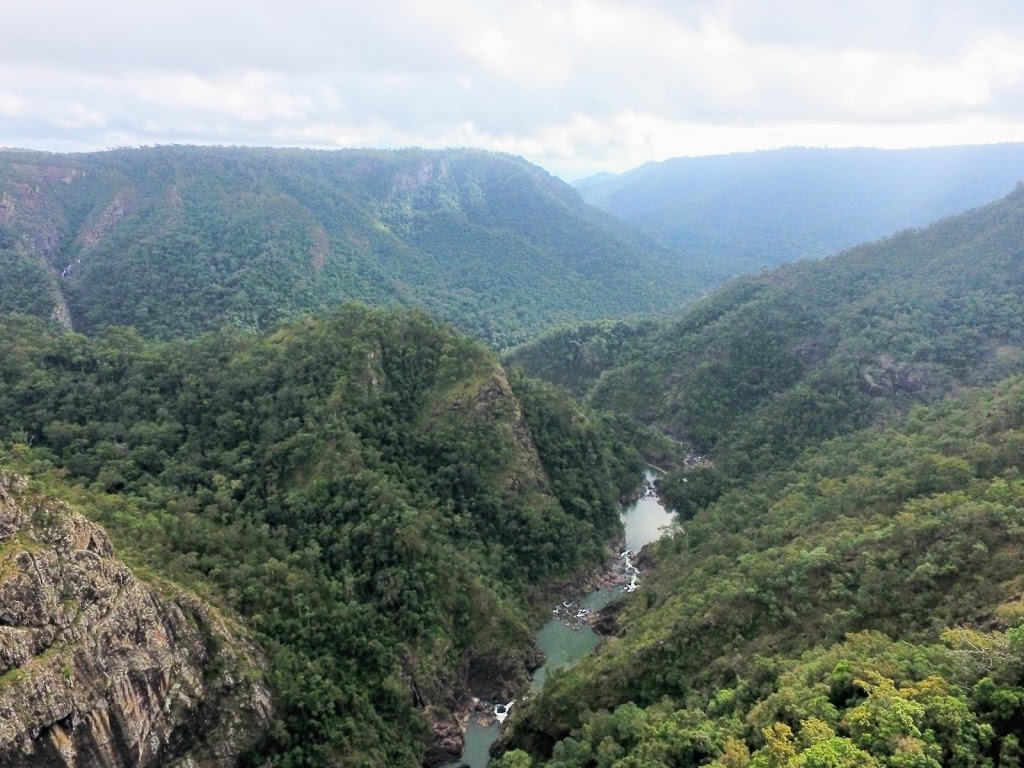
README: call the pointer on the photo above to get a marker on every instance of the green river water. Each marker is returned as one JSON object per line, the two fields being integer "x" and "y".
{"x": 565, "y": 643}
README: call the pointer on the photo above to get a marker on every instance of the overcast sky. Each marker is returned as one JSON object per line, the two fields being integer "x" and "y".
{"x": 576, "y": 87}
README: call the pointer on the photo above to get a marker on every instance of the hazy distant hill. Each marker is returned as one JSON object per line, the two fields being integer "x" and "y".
{"x": 176, "y": 240}
{"x": 739, "y": 213}
{"x": 813, "y": 349}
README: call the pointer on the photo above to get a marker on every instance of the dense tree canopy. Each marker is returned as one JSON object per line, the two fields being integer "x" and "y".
{"x": 773, "y": 363}
{"x": 860, "y": 607}
{"x": 366, "y": 489}
{"x": 382, "y": 504}
{"x": 845, "y": 588}
{"x": 175, "y": 241}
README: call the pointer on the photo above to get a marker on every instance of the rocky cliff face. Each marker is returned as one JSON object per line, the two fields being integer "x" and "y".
{"x": 98, "y": 669}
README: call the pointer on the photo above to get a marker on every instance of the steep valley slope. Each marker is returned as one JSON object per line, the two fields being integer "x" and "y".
{"x": 845, "y": 586}
{"x": 101, "y": 670}
{"x": 178, "y": 240}
{"x": 371, "y": 493}
{"x": 382, "y": 505}
{"x": 772, "y": 363}
{"x": 863, "y": 606}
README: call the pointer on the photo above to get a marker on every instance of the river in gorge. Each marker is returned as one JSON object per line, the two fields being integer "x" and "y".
{"x": 564, "y": 639}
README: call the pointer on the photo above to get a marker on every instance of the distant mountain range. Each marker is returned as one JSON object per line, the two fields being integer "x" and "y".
{"x": 388, "y": 511}
{"x": 179, "y": 240}
{"x": 736, "y": 214}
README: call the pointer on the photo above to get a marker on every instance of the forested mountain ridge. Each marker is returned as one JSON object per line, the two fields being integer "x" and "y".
{"x": 861, "y": 607}
{"x": 178, "y": 240}
{"x": 845, "y": 587}
{"x": 772, "y": 363}
{"x": 381, "y": 501}
{"x": 737, "y": 214}
{"x": 368, "y": 490}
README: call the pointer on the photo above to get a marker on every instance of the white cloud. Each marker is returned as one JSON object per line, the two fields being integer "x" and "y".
{"x": 76, "y": 116}
{"x": 248, "y": 96}
{"x": 11, "y": 104}
{"x": 575, "y": 85}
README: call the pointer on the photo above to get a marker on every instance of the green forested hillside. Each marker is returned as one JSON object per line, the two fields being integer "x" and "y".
{"x": 846, "y": 586}
{"x": 575, "y": 356}
{"x": 740, "y": 213}
{"x": 861, "y": 607}
{"x": 368, "y": 490}
{"x": 382, "y": 504}
{"x": 179, "y": 240}
{"x": 770, "y": 364}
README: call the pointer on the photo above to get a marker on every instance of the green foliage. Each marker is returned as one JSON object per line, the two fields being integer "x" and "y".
{"x": 514, "y": 759}
{"x": 574, "y": 357}
{"x": 586, "y": 478}
{"x": 175, "y": 241}
{"x": 28, "y": 287}
{"x": 766, "y": 611}
{"x": 375, "y": 496}
{"x": 773, "y": 364}
{"x": 689, "y": 492}
{"x": 363, "y": 489}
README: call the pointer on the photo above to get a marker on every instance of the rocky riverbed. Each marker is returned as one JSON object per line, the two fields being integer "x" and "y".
{"x": 575, "y": 625}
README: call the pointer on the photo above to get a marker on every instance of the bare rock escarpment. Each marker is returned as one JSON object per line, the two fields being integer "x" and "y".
{"x": 98, "y": 669}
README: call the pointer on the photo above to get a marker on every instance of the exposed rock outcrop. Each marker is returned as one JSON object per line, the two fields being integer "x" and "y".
{"x": 888, "y": 377}
{"x": 448, "y": 742}
{"x": 98, "y": 669}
